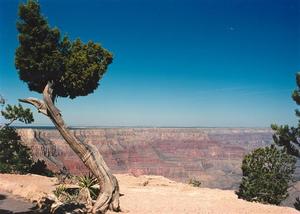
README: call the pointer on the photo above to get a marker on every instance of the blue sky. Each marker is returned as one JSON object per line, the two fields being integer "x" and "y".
{"x": 176, "y": 63}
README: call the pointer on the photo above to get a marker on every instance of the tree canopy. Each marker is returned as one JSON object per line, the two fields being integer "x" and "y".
{"x": 286, "y": 136}
{"x": 73, "y": 67}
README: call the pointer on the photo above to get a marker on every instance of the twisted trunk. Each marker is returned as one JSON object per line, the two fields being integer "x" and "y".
{"x": 88, "y": 153}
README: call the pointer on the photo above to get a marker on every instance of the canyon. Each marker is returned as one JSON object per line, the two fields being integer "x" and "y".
{"x": 211, "y": 155}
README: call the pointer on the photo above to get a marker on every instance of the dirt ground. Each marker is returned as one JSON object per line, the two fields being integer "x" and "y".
{"x": 151, "y": 194}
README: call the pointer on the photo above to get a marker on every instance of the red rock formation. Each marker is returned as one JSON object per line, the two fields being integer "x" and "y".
{"x": 213, "y": 155}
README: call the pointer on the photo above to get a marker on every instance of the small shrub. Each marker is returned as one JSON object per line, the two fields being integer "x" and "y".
{"x": 194, "y": 182}
{"x": 266, "y": 175}
{"x": 59, "y": 190}
{"x": 66, "y": 195}
{"x": 89, "y": 181}
{"x": 145, "y": 183}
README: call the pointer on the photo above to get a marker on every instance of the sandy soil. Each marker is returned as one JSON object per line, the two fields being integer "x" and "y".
{"x": 31, "y": 187}
{"x": 151, "y": 194}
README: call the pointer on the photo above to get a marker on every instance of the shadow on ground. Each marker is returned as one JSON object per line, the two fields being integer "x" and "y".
{"x": 2, "y": 197}
{"x": 2, "y": 211}
{"x": 13, "y": 205}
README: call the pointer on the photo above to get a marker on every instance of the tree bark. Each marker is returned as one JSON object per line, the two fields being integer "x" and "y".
{"x": 88, "y": 153}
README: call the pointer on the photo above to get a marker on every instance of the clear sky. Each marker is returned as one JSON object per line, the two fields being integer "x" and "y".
{"x": 176, "y": 63}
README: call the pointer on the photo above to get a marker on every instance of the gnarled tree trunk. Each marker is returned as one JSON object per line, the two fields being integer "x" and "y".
{"x": 88, "y": 153}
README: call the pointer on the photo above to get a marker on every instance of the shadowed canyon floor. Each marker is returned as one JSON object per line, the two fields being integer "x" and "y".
{"x": 151, "y": 194}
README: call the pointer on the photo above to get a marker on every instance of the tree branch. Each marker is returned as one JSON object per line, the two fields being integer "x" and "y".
{"x": 2, "y": 127}
{"x": 11, "y": 121}
{"x": 39, "y": 104}
{"x": 7, "y": 124}
{"x": 49, "y": 101}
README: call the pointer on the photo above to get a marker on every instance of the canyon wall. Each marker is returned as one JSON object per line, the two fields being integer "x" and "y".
{"x": 212, "y": 155}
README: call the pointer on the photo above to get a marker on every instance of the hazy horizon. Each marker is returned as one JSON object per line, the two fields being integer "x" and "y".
{"x": 139, "y": 127}
{"x": 205, "y": 63}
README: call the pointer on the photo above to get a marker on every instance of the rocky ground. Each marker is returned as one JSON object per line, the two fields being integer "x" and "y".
{"x": 150, "y": 194}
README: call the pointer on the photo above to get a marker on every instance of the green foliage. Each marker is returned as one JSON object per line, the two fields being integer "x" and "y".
{"x": 89, "y": 181}
{"x": 194, "y": 182}
{"x": 40, "y": 168}
{"x": 38, "y": 56}
{"x": 296, "y": 93}
{"x": 2, "y": 101}
{"x": 59, "y": 190}
{"x": 64, "y": 194}
{"x": 266, "y": 175}
{"x": 297, "y": 204}
{"x": 13, "y": 113}
{"x": 14, "y": 156}
{"x": 43, "y": 56}
{"x": 288, "y": 137}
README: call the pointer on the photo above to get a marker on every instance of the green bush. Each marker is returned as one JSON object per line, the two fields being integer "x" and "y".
{"x": 59, "y": 190}
{"x": 14, "y": 156}
{"x": 266, "y": 175}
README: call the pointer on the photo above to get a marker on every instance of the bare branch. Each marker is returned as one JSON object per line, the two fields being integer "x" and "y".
{"x": 49, "y": 100}
{"x": 39, "y": 104}
{"x": 2, "y": 127}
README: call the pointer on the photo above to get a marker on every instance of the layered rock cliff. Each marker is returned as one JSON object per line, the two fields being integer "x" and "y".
{"x": 212, "y": 155}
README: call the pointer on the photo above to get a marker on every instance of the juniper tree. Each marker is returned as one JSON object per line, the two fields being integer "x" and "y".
{"x": 266, "y": 175}
{"x": 55, "y": 66}
{"x": 14, "y": 156}
{"x": 286, "y": 136}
